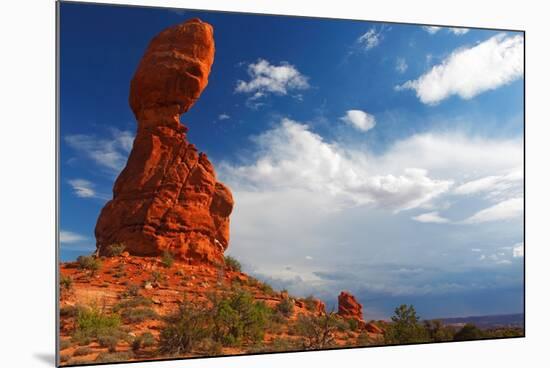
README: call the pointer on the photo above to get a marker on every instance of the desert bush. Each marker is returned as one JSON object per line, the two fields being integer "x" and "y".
{"x": 89, "y": 263}
{"x": 114, "y": 357}
{"x": 468, "y": 332}
{"x": 405, "y": 327}
{"x": 239, "y": 318}
{"x": 138, "y": 301}
{"x": 185, "y": 329}
{"x": 68, "y": 311}
{"x": 157, "y": 276}
{"x": 363, "y": 339}
{"x": 64, "y": 344}
{"x": 267, "y": 289}
{"x": 94, "y": 323}
{"x": 135, "y": 315}
{"x": 317, "y": 332}
{"x": 209, "y": 347}
{"x": 438, "y": 332}
{"x": 115, "y": 249}
{"x": 132, "y": 290}
{"x": 85, "y": 350}
{"x": 145, "y": 340}
{"x": 63, "y": 358}
{"x": 232, "y": 264}
{"x": 66, "y": 282}
{"x": 167, "y": 259}
{"x": 353, "y": 324}
{"x": 310, "y": 303}
{"x": 280, "y": 344}
{"x": 286, "y": 307}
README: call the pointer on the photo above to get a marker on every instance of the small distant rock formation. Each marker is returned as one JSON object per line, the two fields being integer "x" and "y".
{"x": 167, "y": 197}
{"x": 349, "y": 307}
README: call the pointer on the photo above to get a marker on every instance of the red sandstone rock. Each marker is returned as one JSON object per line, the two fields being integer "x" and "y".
{"x": 167, "y": 197}
{"x": 349, "y": 307}
{"x": 372, "y": 328}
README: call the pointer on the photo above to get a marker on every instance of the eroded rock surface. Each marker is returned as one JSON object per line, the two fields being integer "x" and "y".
{"x": 167, "y": 197}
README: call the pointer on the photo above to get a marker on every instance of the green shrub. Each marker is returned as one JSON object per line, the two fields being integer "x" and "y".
{"x": 157, "y": 276}
{"x": 317, "y": 331}
{"x": 89, "y": 263}
{"x": 85, "y": 350}
{"x": 363, "y": 339}
{"x": 267, "y": 289}
{"x": 115, "y": 249}
{"x": 66, "y": 282}
{"x": 93, "y": 323}
{"x": 132, "y": 290}
{"x": 64, "y": 344}
{"x": 239, "y": 318}
{"x": 311, "y": 303}
{"x": 68, "y": 311}
{"x": 232, "y": 264}
{"x": 114, "y": 357}
{"x": 405, "y": 327}
{"x": 138, "y": 301}
{"x": 438, "y": 332}
{"x": 468, "y": 332}
{"x": 185, "y": 329}
{"x": 145, "y": 340}
{"x": 136, "y": 315}
{"x": 167, "y": 259}
{"x": 210, "y": 347}
{"x": 286, "y": 307}
{"x": 353, "y": 324}
{"x": 280, "y": 344}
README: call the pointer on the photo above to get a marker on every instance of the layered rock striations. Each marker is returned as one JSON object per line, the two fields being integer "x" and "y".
{"x": 167, "y": 197}
{"x": 349, "y": 307}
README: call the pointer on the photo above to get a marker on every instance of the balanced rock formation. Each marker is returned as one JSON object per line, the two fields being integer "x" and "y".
{"x": 349, "y": 307}
{"x": 167, "y": 197}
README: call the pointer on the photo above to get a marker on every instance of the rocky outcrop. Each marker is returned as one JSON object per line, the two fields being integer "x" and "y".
{"x": 167, "y": 197}
{"x": 349, "y": 307}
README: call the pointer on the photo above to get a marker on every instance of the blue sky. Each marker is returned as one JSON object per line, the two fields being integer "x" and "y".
{"x": 380, "y": 158}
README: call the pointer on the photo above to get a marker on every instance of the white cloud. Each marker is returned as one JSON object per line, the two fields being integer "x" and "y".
{"x": 370, "y": 39}
{"x": 109, "y": 153}
{"x": 293, "y": 157}
{"x": 518, "y": 250}
{"x": 456, "y": 31}
{"x": 309, "y": 258}
{"x": 360, "y": 120}
{"x": 223, "y": 117}
{"x": 505, "y": 210}
{"x": 70, "y": 237}
{"x": 266, "y": 78}
{"x": 431, "y": 29}
{"x": 477, "y": 250}
{"x": 459, "y": 31}
{"x": 431, "y": 217}
{"x": 495, "y": 187}
{"x": 85, "y": 189}
{"x": 467, "y": 72}
{"x": 401, "y": 65}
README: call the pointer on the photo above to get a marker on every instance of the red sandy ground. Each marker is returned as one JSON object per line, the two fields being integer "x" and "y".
{"x": 178, "y": 282}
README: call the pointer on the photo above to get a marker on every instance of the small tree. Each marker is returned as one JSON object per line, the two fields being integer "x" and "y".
{"x": 405, "y": 327}
{"x": 468, "y": 332}
{"x": 286, "y": 307}
{"x": 232, "y": 264}
{"x": 437, "y": 331}
{"x": 317, "y": 331}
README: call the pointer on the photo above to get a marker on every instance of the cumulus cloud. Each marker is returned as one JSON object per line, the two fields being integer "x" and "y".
{"x": 71, "y": 237}
{"x": 431, "y": 217}
{"x": 431, "y": 29}
{"x": 401, "y": 65}
{"x": 459, "y": 31}
{"x": 109, "y": 153}
{"x": 292, "y": 156}
{"x": 370, "y": 39}
{"x": 467, "y": 72}
{"x": 266, "y": 78}
{"x": 360, "y": 120}
{"x": 505, "y": 210}
{"x": 223, "y": 117}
